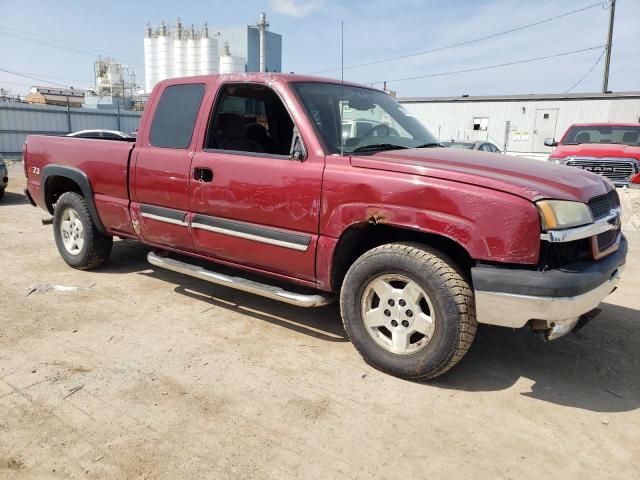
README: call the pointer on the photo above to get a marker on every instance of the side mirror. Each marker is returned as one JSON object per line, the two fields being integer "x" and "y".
{"x": 550, "y": 142}
{"x": 298, "y": 150}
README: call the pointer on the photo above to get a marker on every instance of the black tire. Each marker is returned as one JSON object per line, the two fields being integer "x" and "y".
{"x": 450, "y": 296}
{"x": 96, "y": 246}
{"x": 1, "y": 193}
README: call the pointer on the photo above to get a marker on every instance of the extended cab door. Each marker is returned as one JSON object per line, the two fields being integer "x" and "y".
{"x": 161, "y": 166}
{"x": 251, "y": 203}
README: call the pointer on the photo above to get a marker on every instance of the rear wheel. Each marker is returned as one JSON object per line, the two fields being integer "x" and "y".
{"x": 1, "y": 193}
{"x": 408, "y": 310}
{"x": 79, "y": 242}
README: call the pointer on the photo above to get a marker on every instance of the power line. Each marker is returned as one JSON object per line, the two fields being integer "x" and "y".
{"x": 466, "y": 42}
{"x": 24, "y": 75}
{"x": 588, "y": 72}
{"x": 64, "y": 44}
{"x": 2, "y": 82}
{"x": 53, "y": 77}
{"x": 60, "y": 44}
{"x": 487, "y": 67}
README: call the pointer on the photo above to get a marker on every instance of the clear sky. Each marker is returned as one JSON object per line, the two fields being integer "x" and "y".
{"x": 373, "y": 30}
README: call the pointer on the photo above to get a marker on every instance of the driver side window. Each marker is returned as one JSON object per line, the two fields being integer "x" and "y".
{"x": 250, "y": 118}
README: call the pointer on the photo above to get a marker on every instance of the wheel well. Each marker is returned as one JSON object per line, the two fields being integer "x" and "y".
{"x": 360, "y": 238}
{"x": 56, "y": 186}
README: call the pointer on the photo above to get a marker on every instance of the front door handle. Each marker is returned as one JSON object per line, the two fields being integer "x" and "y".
{"x": 203, "y": 174}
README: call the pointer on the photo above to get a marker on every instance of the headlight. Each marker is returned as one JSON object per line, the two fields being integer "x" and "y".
{"x": 558, "y": 214}
{"x": 556, "y": 160}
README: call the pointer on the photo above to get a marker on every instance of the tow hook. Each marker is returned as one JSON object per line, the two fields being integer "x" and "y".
{"x": 553, "y": 330}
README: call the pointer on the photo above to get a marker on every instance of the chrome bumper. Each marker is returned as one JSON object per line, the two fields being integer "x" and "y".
{"x": 610, "y": 222}
{"x": 560, "y": 313}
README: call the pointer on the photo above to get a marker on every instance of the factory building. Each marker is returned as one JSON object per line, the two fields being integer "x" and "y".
{"x": 115, "y": 85}
{"x": 519, "y": 123}
{"x": 180, "y": 51}
{"x": 55, "y": 96}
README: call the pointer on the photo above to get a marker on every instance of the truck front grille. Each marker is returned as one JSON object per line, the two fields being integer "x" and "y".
{"x": 601, "y": 206}
{"x": 557, "y": 255}
{"x": 618, "y": 170}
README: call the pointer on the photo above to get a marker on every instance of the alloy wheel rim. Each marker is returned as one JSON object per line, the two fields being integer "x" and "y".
{"x": 398, "y": 314}
{"x": 72, "y": 231}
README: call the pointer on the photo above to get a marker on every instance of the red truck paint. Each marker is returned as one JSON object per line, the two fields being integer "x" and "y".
{"x": 608, "y": 151}
{"x": 480, "y": 201}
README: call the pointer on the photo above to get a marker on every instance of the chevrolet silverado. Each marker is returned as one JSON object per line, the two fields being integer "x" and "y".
{"x": 419, "y": 243}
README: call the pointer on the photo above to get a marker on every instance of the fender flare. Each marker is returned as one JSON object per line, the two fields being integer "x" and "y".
{"x": 81, "y": 179}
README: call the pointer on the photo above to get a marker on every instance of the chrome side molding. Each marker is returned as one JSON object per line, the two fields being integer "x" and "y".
{"x": 269, "y": 291}
{"x": 160, "y": 218}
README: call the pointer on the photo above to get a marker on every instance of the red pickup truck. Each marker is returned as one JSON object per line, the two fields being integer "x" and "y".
{"x": 418, "y": 242}
{"x": 608, "y": 149}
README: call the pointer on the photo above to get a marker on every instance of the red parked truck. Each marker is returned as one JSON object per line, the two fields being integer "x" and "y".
{"x": 608, "y": 149}
{"x": 418, "y": 242}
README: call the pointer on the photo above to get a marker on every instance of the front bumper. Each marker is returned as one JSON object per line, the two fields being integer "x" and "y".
{"x": 513, "y": 297}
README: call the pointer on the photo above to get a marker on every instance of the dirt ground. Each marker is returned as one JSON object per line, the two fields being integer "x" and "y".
{"x": 146, "y": 374}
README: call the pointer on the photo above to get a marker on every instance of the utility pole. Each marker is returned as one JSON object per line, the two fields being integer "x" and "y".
{"x": 607, "y": 59}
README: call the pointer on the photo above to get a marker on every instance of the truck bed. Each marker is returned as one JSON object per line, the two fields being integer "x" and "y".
{"x": 104, "y": 162}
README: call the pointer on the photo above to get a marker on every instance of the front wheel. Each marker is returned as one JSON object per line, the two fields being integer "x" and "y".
{"x": 408, "y": 310}
{"x": 79, "y": 241}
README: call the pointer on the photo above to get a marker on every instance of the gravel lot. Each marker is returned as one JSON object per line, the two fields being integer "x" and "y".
{"x": 143, "y": 373}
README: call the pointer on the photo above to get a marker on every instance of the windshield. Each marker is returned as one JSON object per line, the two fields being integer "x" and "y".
{"x": 606, "y": 134}
{"x": 359, "y": 117}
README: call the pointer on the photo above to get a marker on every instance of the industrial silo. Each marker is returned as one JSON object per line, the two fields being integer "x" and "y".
{"x": 209, "y": 62}
{"x": 150, "y": 59}
{"x": 193, "y": 53}
{"x": 230, "y": 63}
{"x": 164, "y": 53}
{"x": 179, "y": 53}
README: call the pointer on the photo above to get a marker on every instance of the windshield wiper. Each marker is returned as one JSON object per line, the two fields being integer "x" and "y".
{"x": 430, "y": 145}
{"x": 378, "y": 146}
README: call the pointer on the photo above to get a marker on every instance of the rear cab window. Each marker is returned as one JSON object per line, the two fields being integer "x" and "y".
{"x": 175, "y": 116}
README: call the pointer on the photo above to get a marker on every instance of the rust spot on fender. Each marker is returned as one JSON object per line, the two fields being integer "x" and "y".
{"x": 376, "y": 218}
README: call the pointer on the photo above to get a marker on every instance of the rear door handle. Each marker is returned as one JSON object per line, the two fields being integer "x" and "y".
{"x": 203, "y": 174}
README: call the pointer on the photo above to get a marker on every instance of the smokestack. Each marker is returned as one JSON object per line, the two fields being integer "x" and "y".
{"x": 262, "y": 29}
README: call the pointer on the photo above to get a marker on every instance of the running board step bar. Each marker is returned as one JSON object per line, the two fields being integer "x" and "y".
{"x": 268, "y": 291}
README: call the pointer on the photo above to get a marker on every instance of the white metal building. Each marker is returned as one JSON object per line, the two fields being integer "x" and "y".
{"x": 522, "y": 122}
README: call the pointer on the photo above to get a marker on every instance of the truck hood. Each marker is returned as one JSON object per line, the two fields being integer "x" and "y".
{"x": 527, "y": 178}
{"x": 596, "y": 150}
